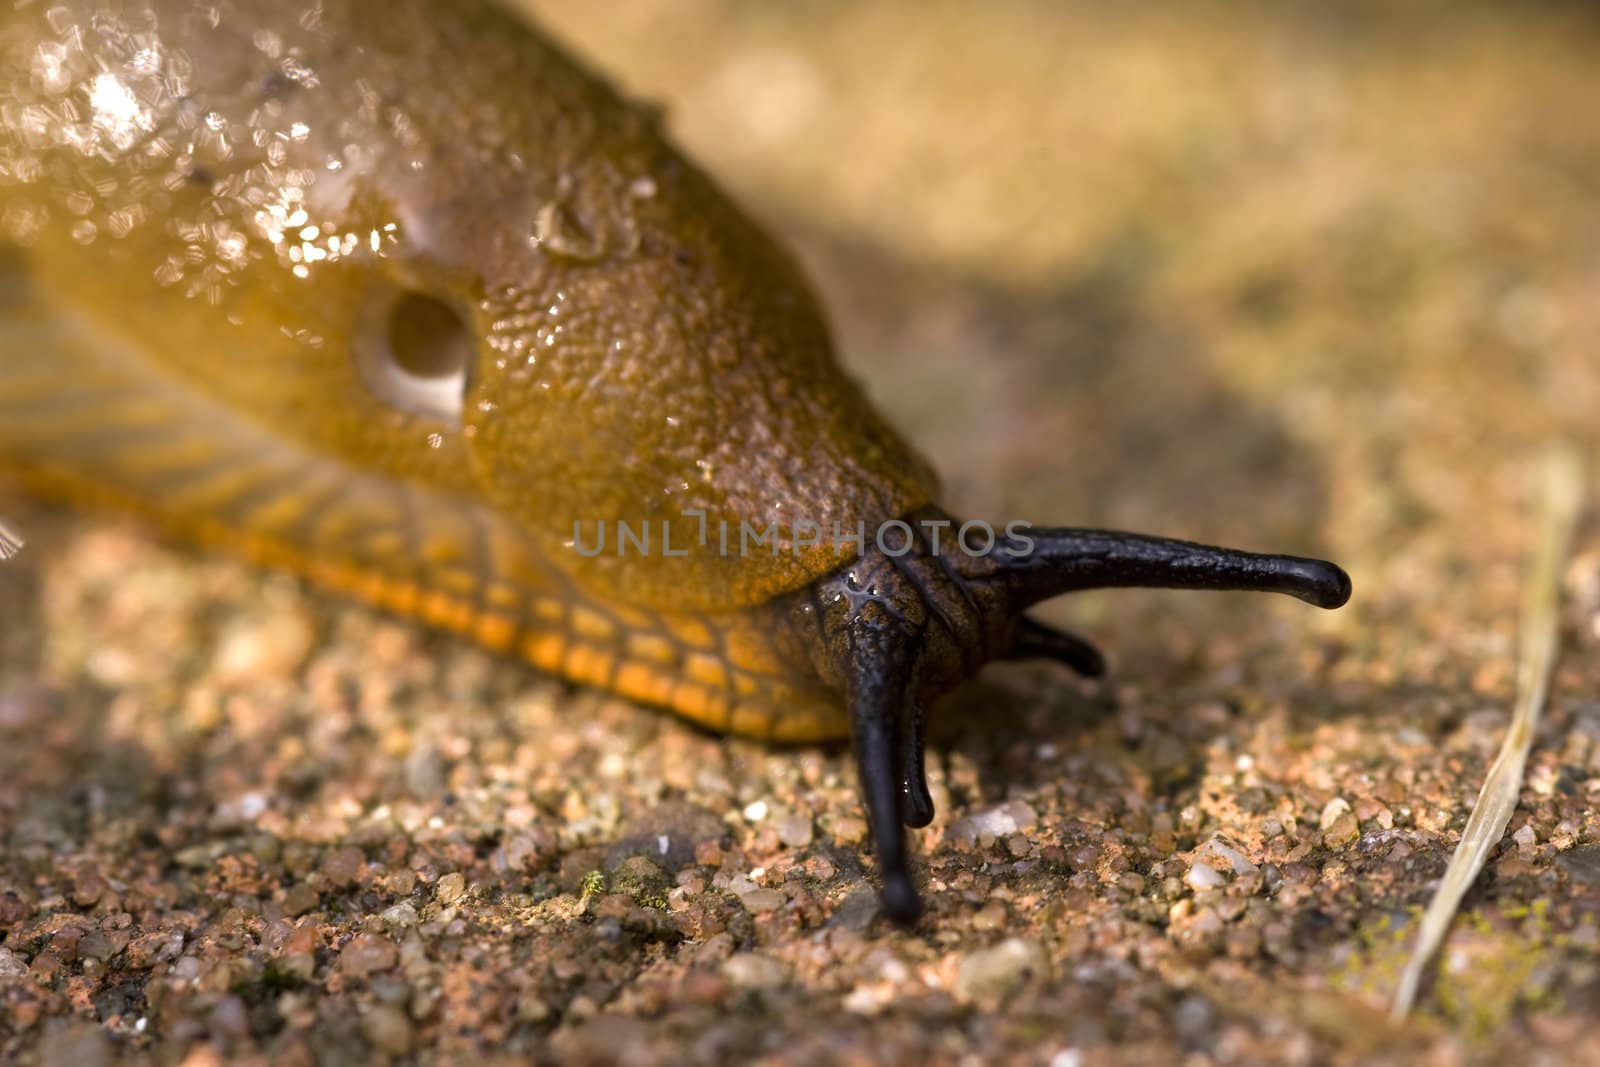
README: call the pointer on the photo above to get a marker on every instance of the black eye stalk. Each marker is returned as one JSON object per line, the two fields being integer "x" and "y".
{"x": 897, "y": 631}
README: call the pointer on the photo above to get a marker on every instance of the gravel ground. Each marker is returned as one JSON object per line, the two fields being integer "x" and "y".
{"x": 1292, "y": 282}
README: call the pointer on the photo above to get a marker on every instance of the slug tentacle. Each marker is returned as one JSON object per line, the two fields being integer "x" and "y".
{"x": 1035, "y": 640}
{"x": 879, "y": 691}
{"x": 917, "y": 811}
{"x": 1046, "y": 563}
{"x": 905, "y": 623}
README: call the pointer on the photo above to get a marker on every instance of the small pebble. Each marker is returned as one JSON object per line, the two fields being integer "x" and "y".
{"x": 98, "y": 945}
{"x": 450, "y": 887}
{"x": 343, "y": 866}
{"x": 367, "y": 954}
{"x": 299, "y": 899}
{"x": 848, "y": 829}
{"x": 87, "y": 889}
{"x": 752, "y": 970}
{"x": 757, "y": 901}
{"x": 388, "y": 1029}
{"x": 984, "y": 827}
{"x": 1235, "y": 858}
{"x": 1332, "y": 811}
{"x": 12, "y": 909}
{"x": 1201, "y": 877}
{"x": 11, "y": 965}
{"x": 795, "y": 830}
{"x": 1001, "y": 970}
{"x": 1342, "y": 831}
{"x": 856, "y": 911}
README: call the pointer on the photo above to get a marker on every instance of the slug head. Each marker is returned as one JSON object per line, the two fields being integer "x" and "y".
{"x": 915, "y": 616}
{"x": 682, "y": 386}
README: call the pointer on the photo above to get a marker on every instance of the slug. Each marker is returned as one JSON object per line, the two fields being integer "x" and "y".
{"x": 402, "y": 298}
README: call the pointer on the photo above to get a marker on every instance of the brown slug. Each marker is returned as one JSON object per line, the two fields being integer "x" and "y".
{"x": 402, "y": 298}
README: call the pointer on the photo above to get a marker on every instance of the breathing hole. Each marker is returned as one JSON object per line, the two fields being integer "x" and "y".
{"x": 419, "y": 359}
{"x": 427, "y": 338}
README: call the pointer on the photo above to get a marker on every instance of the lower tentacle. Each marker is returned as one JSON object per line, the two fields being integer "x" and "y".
{"x": 1035, "y": 640}
{"x": 876, "y": 691}
{"x": 918, "y": 802}
{"x": 872, "y": 740}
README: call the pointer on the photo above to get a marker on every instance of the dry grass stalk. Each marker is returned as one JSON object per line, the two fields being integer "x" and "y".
{"x": 1497, "y": 799}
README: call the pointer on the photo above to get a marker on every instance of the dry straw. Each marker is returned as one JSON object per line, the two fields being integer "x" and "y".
{"x": 10, "y": 541}
{"x": 1563, "y": 500}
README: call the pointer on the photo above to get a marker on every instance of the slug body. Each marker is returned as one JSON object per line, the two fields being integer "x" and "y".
{"x": 400, "y": 297}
